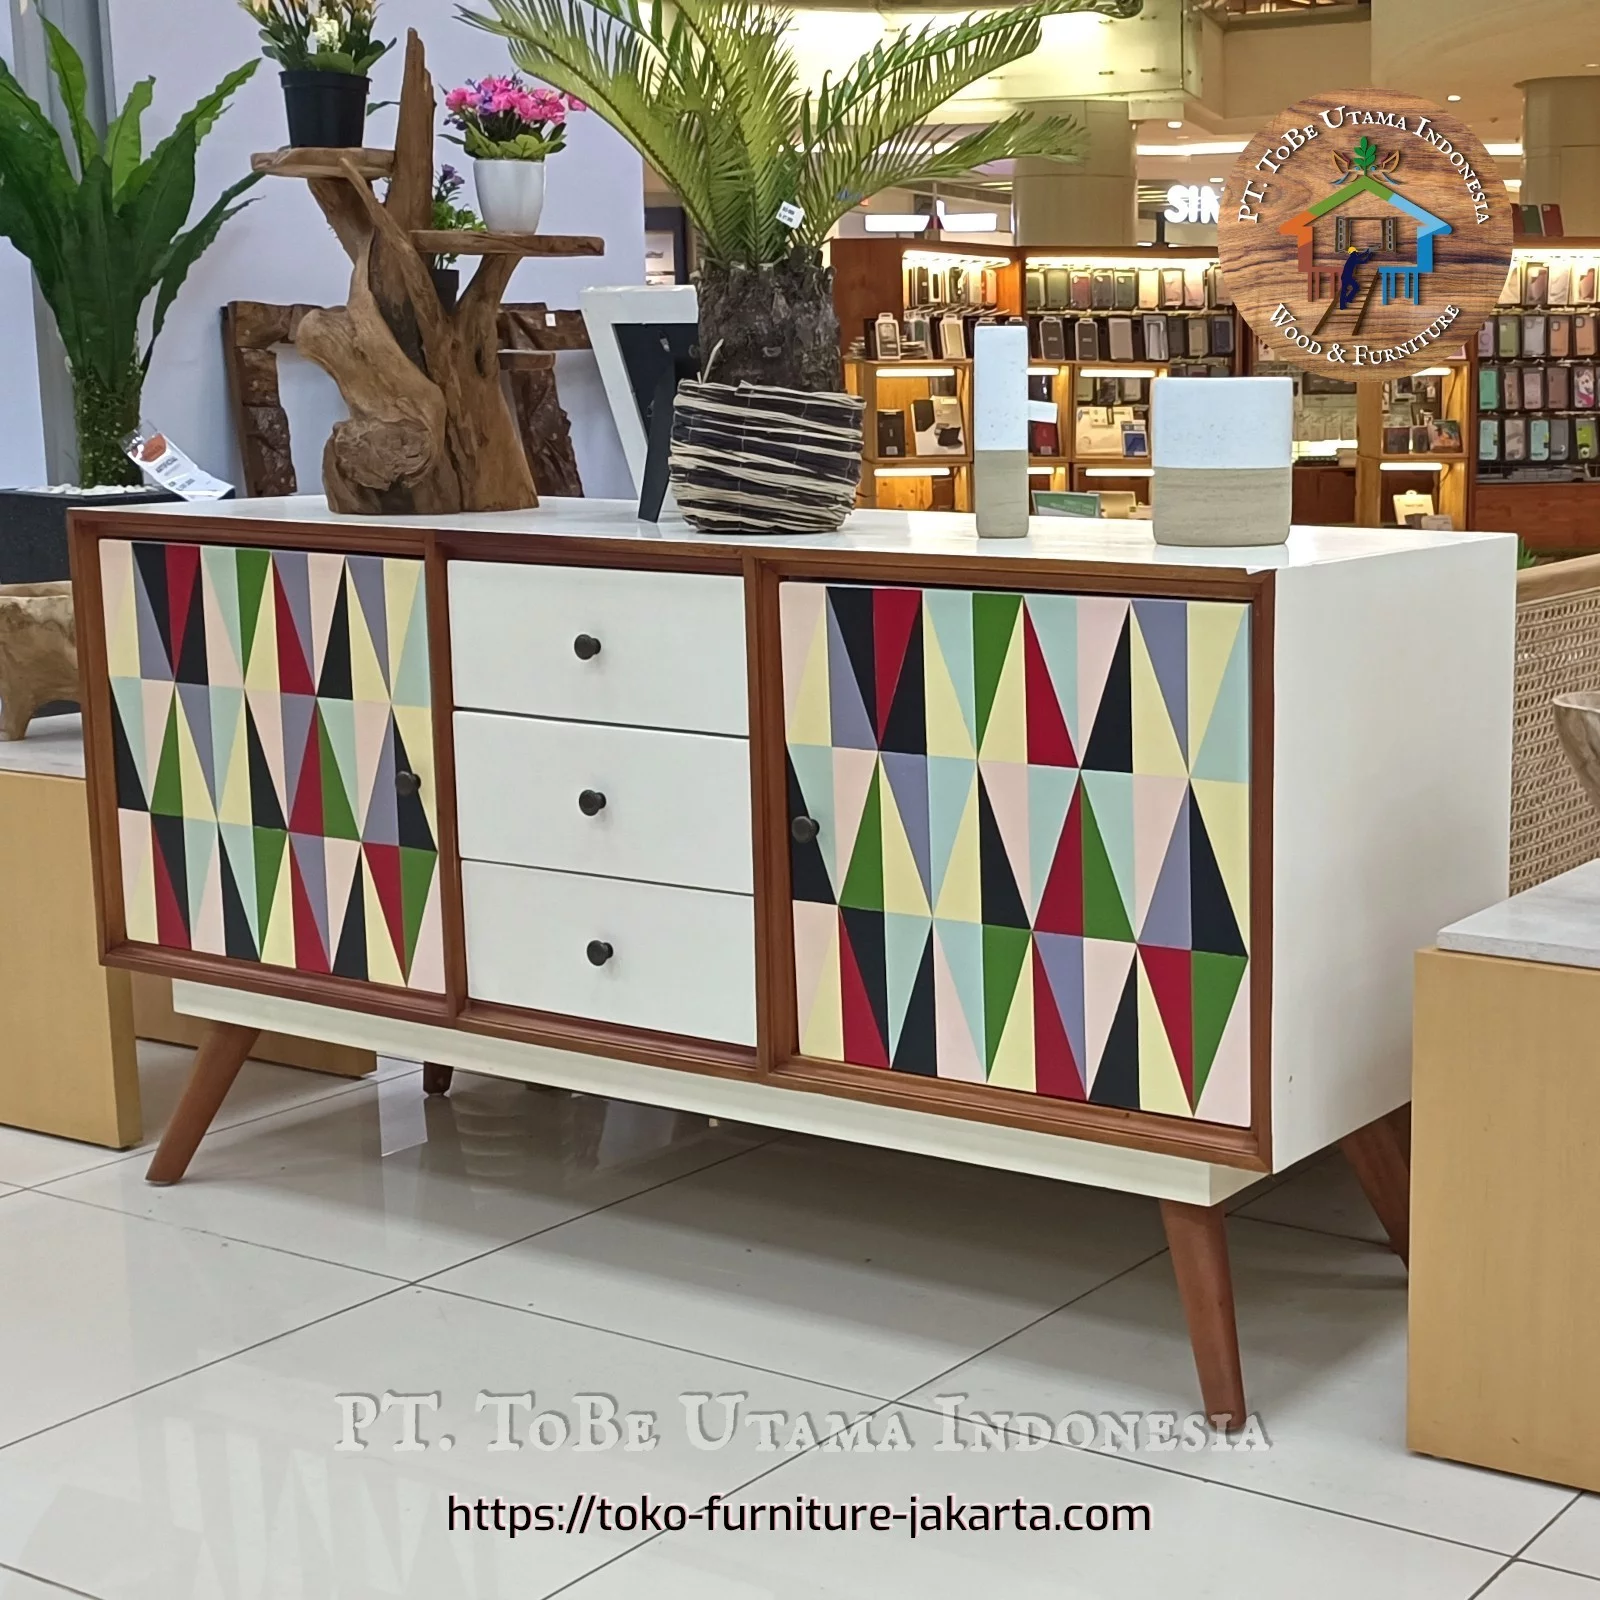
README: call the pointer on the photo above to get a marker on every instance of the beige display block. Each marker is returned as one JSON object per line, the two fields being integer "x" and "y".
{"x": 1505, "y": 1263}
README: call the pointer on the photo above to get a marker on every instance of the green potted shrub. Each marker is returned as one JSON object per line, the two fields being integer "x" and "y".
{"x": 709, "y": 92}
{"x": 326, "y": 50}
{"x": 450, "y": 217}
{"x": 104, "y": 231}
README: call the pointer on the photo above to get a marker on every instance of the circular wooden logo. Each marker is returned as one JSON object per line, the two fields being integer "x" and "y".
{"x": 1365, "y": 235}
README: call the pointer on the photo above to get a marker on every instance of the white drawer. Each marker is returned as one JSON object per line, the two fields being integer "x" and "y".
{"x": 676, "y": 806}
{"x": 671, "y": 645}
{"x": 682, "y": 961}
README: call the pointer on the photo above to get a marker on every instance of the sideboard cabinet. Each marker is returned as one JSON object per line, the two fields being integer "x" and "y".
{"x": 1072, "y": 855}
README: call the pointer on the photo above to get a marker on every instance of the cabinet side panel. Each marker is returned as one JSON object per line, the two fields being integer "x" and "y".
{"x": 1392, "y": 811}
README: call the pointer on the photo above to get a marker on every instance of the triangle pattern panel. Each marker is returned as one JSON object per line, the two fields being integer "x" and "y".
{"x": 256, "y": 749}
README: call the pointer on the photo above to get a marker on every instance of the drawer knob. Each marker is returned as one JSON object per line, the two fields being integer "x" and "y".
{"x": 599, "y": 952}
{"x": 586, "y": 647}
{"x": 407, "y": 783}
{"x": 591, "y": 802}
{"x": 804, "y": 830}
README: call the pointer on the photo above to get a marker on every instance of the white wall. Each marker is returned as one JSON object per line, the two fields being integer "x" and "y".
{"x": 280, "y": 250}
{"x": 21, "y": 430}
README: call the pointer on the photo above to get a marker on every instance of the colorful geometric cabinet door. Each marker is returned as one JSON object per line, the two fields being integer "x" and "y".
{"x": 1021, "y": 841}
{"x": 274, "y": 757}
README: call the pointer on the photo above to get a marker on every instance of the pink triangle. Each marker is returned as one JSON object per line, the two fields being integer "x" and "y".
{"x": 1226, "y": 1096}
{"x": 1007, "y": 783}
{"x": 1156, "y": 804}
{"x": 852, "y": 778}
{"x": 1100, "y": 622}
{"x": 1105, "y": 975}
{"x": 958, "y": 1052}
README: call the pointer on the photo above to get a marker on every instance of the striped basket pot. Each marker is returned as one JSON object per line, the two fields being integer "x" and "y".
{"x": 753, "y": 459}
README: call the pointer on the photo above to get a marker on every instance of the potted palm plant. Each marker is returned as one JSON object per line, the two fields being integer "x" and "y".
{"x": 709, "y": 92}
{"x": 326, "y": 50}
{"x": 104, "y": 232}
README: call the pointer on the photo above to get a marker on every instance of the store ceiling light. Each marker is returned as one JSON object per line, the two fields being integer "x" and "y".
{"x": 896, "y": 222}
{"x": 911, "y": 472}
{"x": 1174, "y": 125}
{"x": 1504, "y": 149}
{"x": 1452, "y": 98}
{"x": 913, "y": 372}
{"x": 1412, "y": 466}
{"x": 966, "y": 221}
{"x": 1119, "y": 472}
{"x": 1218, "y": 147}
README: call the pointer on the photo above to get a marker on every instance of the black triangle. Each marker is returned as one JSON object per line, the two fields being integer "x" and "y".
{"x": 335, "y": 683}
{"x": 237, "y": 939}
{"x": 1212, "y": 924}
{"x": 130, "y": 791}
{"x": 1002, "y": 900}
{"x": 170, "y": 842}
{"x": 192, "y": 666}
{"x": 852, "y": 610}
{"x": 265, "y": 812}
{"x": 351, "y": 959}
{"x": 412, "y": 820}
{"x": 918, "y": 1050}
{"x": 151, "y": 560}
{"x": 864, "y": 929}
{"x": 808, "y": 872}
{"x": 1117, "y": 1081}
{"x": 907, "y": 727}
{"x": 1111, "y": 739}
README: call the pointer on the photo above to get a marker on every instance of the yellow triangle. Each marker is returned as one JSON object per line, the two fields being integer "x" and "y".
{"x": 262, "y": 671}
{"x": 902, "y": 883}
{"x": 947, "y": 727}
{"x": 1213, "y": 626}
{"x": 961, "y": 893}
{"x": 191, "y": 775}
{"x": 822, "y": 1032}
{"x": 416, "y": 728}
{"x": 121, "y": 611}
{"x": 1005, "y": 738}
{"x": 277, "y": 944}
{"x": 400, "y": 579}
{"x": 1225, "y": 807}
{"x": 383, "y": 966}
{"x": 810, "y": 711}
{"x": 1014, "y": 1062}
{"x": 1160, "y": 1087}
{"x": 1155, "y": 742}
{"x": 138, "y": 878}
{"x": 234, "y": 803}
{"x": 366, "y": 676}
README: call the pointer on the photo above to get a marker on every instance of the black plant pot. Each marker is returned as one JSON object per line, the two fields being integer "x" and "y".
{"x": 447, "y": 285}
{"x": 327, "y": 110}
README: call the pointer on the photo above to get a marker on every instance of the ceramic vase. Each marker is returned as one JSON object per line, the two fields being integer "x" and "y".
{"x": 510, "y": 194}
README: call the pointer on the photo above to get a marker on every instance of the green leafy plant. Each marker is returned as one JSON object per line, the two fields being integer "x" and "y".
{"x": 104, "y": 238}
{"x": 319, "y": 35}
{"x": 448, "y": 217}
{"x": 709, "y": 92}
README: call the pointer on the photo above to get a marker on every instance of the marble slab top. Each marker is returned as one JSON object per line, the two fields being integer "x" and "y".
{"x": 1558, "y": 922}
{"x": 52, "y": 749}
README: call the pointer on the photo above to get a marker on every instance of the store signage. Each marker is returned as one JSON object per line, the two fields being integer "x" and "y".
{"x": 1365, "y": 234}
{"x": 1193, "y": 202}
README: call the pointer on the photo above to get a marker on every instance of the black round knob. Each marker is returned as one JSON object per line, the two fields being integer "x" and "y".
{"x": 407, "y": 783}
{"x": 591, "y": 802}
{"x": 599, "y": 952}
{"x": 586, "y": 647}
{"x": 804, "y": 830}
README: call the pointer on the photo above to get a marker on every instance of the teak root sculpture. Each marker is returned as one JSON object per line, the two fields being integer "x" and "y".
{"x": 429, "y": 430}
{"x": 38, "y": 652}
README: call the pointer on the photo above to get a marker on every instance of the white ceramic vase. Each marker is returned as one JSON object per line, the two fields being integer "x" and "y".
{"x": 510, "y": 194}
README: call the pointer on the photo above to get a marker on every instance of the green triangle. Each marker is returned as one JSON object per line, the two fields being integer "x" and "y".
{"x": 253, "y": 568}
{"x": 222, "y": 573}
{"x": 863, "y": 883}
{"x": 338, "y": 820}
{"x": 1104, "y": 914}
{"x": 270, "y": 844}
{"x": 166, "y": 799}
{"x": 1216, "y": 981}
{"x": 416, "y": 878}
{"x": 1004, "y": 951}
{"x": 994, "y": 622}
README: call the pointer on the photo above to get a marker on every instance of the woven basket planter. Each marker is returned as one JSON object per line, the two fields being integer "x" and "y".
{"x": 751, "y": 459}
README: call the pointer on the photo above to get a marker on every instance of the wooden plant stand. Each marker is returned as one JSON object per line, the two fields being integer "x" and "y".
{"x": 429, "y": 430}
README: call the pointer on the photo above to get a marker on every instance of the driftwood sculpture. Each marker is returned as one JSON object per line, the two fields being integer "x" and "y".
{"x": 38, "y": 652}
{"x": 429, "y": 430}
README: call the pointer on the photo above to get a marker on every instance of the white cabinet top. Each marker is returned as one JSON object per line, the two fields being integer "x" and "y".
{"x": 908, "y": 533}
{"x": 1556, "y": 922}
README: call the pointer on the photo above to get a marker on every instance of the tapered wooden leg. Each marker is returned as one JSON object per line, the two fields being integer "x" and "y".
{"x": 1379, "y": 1158}
{"x": 1197, "y": 1238}
{"x": 436, "y": 1077}
{"x": 216, "y": 1064}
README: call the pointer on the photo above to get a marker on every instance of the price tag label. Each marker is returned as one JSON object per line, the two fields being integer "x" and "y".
{"x": 790, "y": 215}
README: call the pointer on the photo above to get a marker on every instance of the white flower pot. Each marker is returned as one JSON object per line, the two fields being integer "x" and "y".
{"x": 510, "y": 194}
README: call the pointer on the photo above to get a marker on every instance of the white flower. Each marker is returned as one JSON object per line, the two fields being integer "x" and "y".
{"x": 328, "y": 31}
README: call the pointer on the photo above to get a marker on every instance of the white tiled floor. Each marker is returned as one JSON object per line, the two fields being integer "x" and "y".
{"x": 169, "y": 1362}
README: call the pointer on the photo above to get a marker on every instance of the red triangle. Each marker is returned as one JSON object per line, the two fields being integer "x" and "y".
{"x": 305, "y": 811}
{"x": 172, "y": 930}
{"x": 1055, "y": 1072}
{"x": 1061, "y": 904}
{"x": 1049, "y": 743}
{"x": 863, "y": 1044}
{"x": 383, "y": 863}
{"x": 1170, "y": 982}
{"x": 183, "y": 569}
{"x": 309, "y": 956}
{"x": 294, "y": 674}
{"x": 894, "y": 615}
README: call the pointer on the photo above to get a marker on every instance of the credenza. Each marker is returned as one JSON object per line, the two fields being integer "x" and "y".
{"x": 1073, "y": 855}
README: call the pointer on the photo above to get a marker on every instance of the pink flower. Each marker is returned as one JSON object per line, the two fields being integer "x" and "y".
{"x": 574, "y": 103}
{"x": 457, "y": 99}
{"x": 502, "y": 100}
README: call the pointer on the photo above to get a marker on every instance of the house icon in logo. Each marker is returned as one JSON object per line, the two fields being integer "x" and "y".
{"x": 1372, "y": 221}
